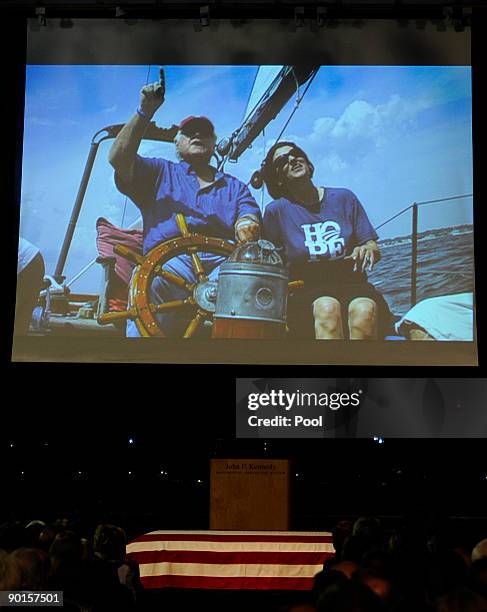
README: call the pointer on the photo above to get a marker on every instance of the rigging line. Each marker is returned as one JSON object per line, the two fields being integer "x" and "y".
{"x": 297, "y": 83}
{"x": 126, "y": 198}
{"x": 299, "y": 99}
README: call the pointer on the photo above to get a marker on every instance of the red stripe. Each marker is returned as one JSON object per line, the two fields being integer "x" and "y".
{"x": 224, "y": 558}
{"x": 200, "y": 537}
{"x": 199, "y": 582}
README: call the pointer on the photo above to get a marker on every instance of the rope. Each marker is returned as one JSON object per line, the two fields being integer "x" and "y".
{"x": 299, "y": 99}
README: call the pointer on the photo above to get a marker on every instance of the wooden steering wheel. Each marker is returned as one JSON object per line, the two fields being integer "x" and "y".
{"x": 202, "y": 295}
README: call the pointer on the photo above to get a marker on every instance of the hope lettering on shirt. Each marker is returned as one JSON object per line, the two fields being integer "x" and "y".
{"x": 323, "y": 239}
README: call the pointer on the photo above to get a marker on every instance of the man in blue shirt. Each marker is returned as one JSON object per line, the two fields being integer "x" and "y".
{"x": 214, "y": 203}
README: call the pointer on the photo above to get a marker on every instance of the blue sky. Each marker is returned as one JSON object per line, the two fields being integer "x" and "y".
{"x": 393, "y": 135}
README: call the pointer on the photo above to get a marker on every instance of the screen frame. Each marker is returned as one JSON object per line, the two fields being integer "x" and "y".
{"x": 91, "y": 350}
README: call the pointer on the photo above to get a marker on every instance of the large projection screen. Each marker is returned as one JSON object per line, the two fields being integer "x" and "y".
{"x": 381, "y": 113}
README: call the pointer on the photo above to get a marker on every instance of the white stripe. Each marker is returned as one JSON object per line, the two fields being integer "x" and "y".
{"x": 229, "y": 570}
{"x": 223, "y": 547}
{"x": 299, "y": 534}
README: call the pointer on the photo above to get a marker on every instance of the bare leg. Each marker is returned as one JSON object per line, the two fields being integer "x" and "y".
{"x": 362, "y": 319}
{"x": 327, "y": 313}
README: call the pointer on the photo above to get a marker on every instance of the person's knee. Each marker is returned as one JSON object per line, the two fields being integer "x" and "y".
{"x": 362, "y": 319}
{"x": 363, "y": 310}
{"x": 326, "y": 309}
{"x": 327, "y": 316}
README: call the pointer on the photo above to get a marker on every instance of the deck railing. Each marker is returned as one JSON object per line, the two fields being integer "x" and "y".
{"x": 414, "y": 208}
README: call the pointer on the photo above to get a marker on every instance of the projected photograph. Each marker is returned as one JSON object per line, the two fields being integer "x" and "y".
{"x": 264, "y": 202}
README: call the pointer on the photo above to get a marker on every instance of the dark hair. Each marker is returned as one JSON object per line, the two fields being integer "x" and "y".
{"x": 349, "y": 597}
{"x": 109, "y": 542}
{"x": 461, "y": 600}
{"x": 34, "y": 567}
{"x": 269, "y": 172}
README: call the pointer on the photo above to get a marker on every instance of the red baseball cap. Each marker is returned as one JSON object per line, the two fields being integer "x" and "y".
{"x": 195, "y": 121}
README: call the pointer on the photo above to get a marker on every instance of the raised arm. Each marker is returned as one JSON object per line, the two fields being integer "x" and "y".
{"x": 124, "y": 149}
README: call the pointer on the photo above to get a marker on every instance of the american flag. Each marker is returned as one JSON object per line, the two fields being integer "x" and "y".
{"x": 231, "y": 559}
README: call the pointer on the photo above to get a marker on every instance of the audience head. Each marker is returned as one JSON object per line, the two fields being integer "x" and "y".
{"x": 34, "y": 566}
{"x": 10, "y": 575}
{"x": 479, "y": 551}
{"x": 66, "y": 548}
{"x": 32, "y": 532}
{"x": 46, "y": 538}
{"x": 349, "y": 597}
{"x": 340, "y": 533}
{"x": 109, "y": 542}
{"x": 461, "y": 600}
{"x": 346, "y": 567}
{"x": 369, "y": 528}
{"x": 377, "y": 581}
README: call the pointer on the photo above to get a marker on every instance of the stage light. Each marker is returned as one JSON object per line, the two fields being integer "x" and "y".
{"x": 461, "y": 18}
{"x": 379, "y": 439}
{"x": 12, "y": 444}
{"x": 299, "y": 16}
{"x": 321, "y": 13}
{"x": 131, "y": 441}
{"x": 204, "y": 16}
{"x": 41, "y": 15}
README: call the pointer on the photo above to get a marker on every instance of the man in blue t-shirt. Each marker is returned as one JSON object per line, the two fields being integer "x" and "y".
{"x": 329, "y": 243}
{"x": 214, "y": 203}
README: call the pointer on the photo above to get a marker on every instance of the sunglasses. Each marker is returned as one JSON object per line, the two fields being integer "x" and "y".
{"x": 203, "y": 131}
{"x": 282, "y": 160}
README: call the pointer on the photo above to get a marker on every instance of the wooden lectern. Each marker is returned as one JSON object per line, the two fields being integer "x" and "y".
{"x": 250, "y": 494}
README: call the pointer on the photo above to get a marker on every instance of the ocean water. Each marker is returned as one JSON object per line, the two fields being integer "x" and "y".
{"x": 445, "y": 266}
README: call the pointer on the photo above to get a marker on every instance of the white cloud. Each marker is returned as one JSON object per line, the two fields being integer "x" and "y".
{"x": 361, "y": 120}
{"x": 334, "y": 163}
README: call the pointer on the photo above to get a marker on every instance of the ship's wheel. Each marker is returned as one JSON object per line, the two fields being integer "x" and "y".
{"x": 200, "y": 303}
